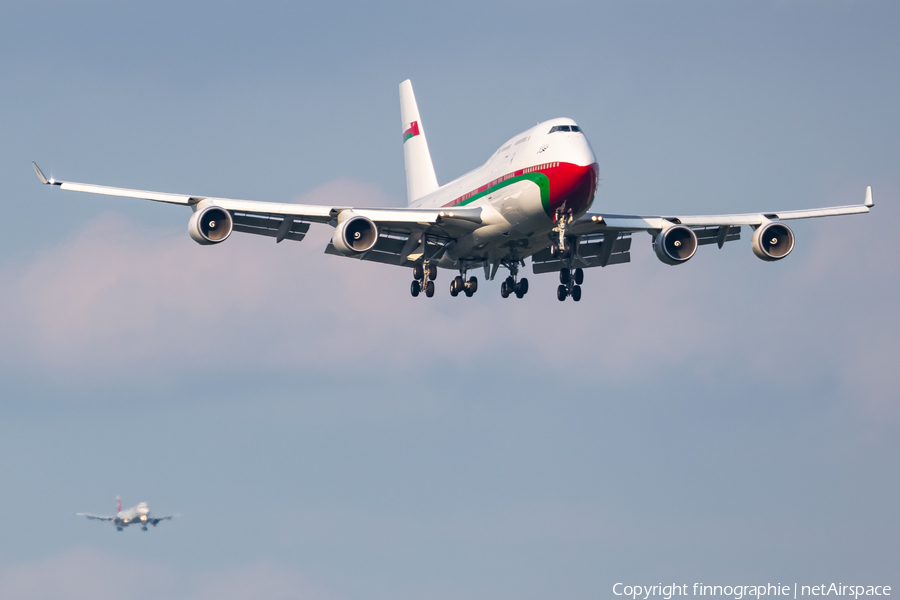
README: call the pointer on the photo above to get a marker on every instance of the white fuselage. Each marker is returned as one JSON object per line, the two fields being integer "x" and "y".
{"x": 521, "y": 189}
{"x": 139, "y": 514}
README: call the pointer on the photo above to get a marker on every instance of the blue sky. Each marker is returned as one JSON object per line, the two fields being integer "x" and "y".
{"x": 327, "y": 436}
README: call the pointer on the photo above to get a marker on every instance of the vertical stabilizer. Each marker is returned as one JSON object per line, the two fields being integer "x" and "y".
{"x": 420, "y": 178}
{"x": 118, "y": 504}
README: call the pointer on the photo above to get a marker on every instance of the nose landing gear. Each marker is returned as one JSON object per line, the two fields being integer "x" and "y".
{"x": 566, "y": 248}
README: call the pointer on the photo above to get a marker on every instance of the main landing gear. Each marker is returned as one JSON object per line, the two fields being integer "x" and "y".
{"x": 423, "y": 279}
{"x": 512, "y": 284}
{"x": 461, "y": 284}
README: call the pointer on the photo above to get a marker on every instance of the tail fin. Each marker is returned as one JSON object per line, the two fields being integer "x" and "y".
{"x": 118, "y": 504}
{"x": 420, "y": 177}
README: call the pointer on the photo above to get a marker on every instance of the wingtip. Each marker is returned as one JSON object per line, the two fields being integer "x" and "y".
{"x": 40, "y": 174}
{"x": 869, "y": 201}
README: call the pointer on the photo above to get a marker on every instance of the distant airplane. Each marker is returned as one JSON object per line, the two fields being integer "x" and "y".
{"x": 135, "y": 515}
{"x": 529, "y": 199}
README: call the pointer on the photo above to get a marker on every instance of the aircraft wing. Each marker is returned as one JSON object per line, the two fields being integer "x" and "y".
{"x": 291, "y": 221}
{"x": 605, "y": 239}
{"x": 725, "y": 226}
{"x": 155, "y": 520}
{"x": 95, "y": 517}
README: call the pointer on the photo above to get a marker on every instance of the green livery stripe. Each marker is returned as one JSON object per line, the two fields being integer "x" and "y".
{"x": 406, "y": 137}
{"x": 537, "y": 178}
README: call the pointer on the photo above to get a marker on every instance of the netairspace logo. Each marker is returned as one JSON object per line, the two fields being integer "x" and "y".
{"x": 666, "y": 592}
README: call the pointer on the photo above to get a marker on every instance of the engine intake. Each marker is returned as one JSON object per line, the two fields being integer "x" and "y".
{"x": 354, "y": 235}
{"x": 772, "y": 241}
{"x": 675, "y": 245}
{"x": 210, "y": 225}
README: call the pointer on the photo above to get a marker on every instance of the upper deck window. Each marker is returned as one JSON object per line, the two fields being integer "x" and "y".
{"x": 574, "y": 128}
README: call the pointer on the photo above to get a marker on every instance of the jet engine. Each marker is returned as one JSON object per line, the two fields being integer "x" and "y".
{"x": 210, "y": 225}
{"x": 772, "y": 241}
{"x": 675, "y": 245}
{"x": 354, "y": 235}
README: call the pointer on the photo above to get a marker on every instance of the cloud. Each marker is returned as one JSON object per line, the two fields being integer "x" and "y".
{"x": 89, "y": 574}
{"x": 259, "y": 581}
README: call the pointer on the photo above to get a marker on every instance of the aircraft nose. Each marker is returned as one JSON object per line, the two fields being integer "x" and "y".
{"x": 577, "y": 149}
{"x": 572, "y": 188}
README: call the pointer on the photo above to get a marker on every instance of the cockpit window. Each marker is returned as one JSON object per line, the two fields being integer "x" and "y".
{"x": 556, "y": 128}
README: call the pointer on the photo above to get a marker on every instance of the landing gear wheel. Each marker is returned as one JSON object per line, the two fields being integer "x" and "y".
{"x": 579, "y": 276}
{"x": 472, "y": 284}
{"x": 429, "y": 289}
{"x": 576, "y": 293}
{"x": 457, "y": 285}
{"x": 563, "y": 276}
{"x": 414, "y": 288}
{"x": 521, "y": 288}
{"x": 432, "y": 273}
{"x": 561, "y": 293}
{"x": 418, "y": 271}
{"x": 504, "y": 290}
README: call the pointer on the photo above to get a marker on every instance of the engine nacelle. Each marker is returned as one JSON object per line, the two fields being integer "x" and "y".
{"x": 675, "y": 245}
{"x": 772, "y": 241}
{"x": 354, "y": 235}
{"x": 210, "y": 225}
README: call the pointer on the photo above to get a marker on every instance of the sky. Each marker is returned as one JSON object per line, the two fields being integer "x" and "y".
{"x": 322, "y": 434}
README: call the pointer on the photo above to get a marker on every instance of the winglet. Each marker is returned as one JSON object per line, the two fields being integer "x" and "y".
{"x": 40, "y": 175}
{"x": 869, "y": 202}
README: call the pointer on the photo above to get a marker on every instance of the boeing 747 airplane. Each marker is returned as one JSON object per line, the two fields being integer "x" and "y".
{"x": 530, "y": 199}
{"x": 135, "y": 515}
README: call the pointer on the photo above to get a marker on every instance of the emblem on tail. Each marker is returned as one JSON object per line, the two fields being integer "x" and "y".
{"x": 411, "y": 131}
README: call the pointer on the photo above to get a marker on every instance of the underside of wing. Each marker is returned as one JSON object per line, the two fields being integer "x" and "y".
{"x": 399, "y": 245}
{"x": 277, "y": 226}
